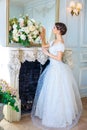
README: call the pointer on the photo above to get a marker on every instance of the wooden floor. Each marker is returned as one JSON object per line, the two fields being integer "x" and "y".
{"x": 26, "y": 123}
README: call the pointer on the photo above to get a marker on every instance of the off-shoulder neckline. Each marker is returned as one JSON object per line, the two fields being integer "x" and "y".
{"x": 53, "y": 44}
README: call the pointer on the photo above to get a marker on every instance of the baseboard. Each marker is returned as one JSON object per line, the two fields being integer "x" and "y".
{"x": 83, "y": 92}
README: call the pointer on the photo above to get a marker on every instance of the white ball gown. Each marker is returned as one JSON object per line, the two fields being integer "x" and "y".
{"x": 57, "y": 104}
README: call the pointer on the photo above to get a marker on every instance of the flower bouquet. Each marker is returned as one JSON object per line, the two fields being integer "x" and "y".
{"x": 25, "y": 31}
{"x": 8, "y": 95}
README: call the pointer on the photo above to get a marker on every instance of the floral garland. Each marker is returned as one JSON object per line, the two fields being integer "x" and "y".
{"x": 24, "y": 31}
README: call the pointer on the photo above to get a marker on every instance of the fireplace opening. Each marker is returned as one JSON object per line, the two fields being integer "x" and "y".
{"x": 28, "y": 78}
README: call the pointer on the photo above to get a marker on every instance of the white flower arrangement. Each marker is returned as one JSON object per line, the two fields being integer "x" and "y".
{"x": 24, "y": 31}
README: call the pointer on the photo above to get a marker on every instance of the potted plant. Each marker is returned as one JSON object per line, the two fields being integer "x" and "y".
{"x": 8, "y": 96}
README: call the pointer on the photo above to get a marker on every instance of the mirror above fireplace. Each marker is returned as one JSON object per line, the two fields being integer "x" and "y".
{"x": 43, "y": 12}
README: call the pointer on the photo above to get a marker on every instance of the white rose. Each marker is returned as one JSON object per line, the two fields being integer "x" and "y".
{"x": 34, "y": 36}
{"x": 22, "y": 24}
{"x": 15, "y": 31}
{"x": 12, "y": 41}
{"x": 30, "y": 38}
{"x": 21, "y": 20}
{"x": 16, "y": 37}
{"x": 33, "y": 20}
{"x": 26, "y": 30}
{"x": 16, "y": 34}
{"x": 35, "y": 32}
{"x": 23, "y": 37}
{"x": 15, "y": 26}
{"x": 29, "y": 23}
{"x": 32, "y": 28}
{"x": 22, "y": 29}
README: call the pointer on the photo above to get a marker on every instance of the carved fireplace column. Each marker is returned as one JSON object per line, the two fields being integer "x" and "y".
{"x": 13, "y": 66}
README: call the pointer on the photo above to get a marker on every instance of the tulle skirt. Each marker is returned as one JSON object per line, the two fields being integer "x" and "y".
{"x": 57, "y": 104}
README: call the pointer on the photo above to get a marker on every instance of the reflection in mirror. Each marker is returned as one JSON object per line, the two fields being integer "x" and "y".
{"x": 41, "y": 11}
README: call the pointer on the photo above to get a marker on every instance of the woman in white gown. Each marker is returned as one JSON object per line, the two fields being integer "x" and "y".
{"x": 57, "y": 104}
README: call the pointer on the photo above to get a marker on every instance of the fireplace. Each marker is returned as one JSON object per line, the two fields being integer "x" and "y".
{"x": 26, "y": 61}
{"x": 28, "y": 78}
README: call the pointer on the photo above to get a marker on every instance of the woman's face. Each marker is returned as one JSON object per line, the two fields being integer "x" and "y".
{"x": 55, "y": 30}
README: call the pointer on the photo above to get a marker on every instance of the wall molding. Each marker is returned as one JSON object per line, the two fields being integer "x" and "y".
{"x": 81, "y": 86}
{"x": 83, "y": 57}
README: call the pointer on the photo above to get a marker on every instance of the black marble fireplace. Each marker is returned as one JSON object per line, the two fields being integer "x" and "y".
{"x": 28, "y": 78}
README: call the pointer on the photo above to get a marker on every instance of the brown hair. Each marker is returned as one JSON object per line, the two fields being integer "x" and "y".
{"x": 62, "y": 27}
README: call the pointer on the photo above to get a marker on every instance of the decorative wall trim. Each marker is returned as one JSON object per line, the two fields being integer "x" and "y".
{"x": 83, "y": 57}
{"x": 83, "y": 42}
{"x": 83, "y": 92}
{"x": 81, "y": 77}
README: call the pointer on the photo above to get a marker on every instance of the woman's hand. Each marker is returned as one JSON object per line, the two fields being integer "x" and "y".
{"x": 43, "y": 34}
{"x": 43, "y": 38}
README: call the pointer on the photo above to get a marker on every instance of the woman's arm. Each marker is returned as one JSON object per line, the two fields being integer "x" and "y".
{"x": 57, "y": 57}
{"x": 45, "y": 45}
{"x": 43, "y": 37}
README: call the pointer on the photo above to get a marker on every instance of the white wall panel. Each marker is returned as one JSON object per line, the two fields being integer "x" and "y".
{"x": 83, "y": 78}
{"x": 76, "y": 39}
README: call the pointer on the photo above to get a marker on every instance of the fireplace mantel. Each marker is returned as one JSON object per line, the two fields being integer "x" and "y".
{"x": 10, "y": 63}
{"x": 11, "y": 59}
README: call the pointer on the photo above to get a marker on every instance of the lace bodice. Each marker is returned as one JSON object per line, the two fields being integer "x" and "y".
{"x": 53, "y": 49}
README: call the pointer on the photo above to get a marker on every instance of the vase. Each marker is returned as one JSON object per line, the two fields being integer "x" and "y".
{"x": 1, "y": 114}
